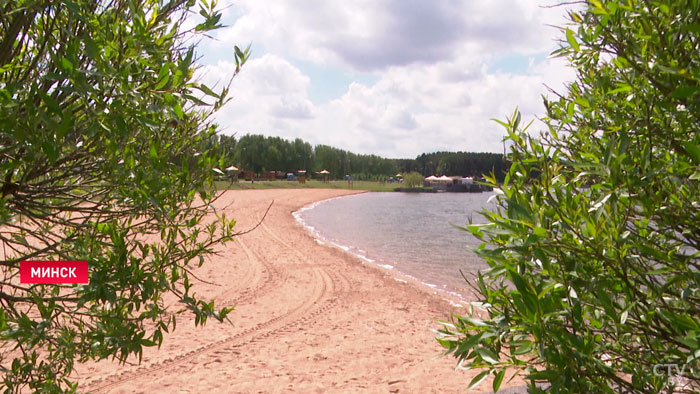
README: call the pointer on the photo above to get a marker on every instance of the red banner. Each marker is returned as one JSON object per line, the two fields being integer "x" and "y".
{"x": 53, "y": 271}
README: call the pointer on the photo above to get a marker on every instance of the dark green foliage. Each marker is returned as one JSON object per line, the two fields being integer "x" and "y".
{"x": 258, "y": 153}
{"x": 103, "y": 157}
{"x": 413, "y": 179}
{"x": 474, "y": 164}
{"x": 341, "y": 162}
{"x": 594, "y": 283}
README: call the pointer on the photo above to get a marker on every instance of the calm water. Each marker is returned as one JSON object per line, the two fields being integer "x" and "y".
{"x": 410, "y": 232}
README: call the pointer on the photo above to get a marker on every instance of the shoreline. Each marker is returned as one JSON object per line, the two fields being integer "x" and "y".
{"x": 308, "y": 318}
{"x": 454, "y": 298}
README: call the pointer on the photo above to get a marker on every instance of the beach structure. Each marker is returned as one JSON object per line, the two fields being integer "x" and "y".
{"x": 232, "y": 172}
{"x": 325, "y": 174}
{"x": 440, "y": 183}
{"x": 454, "y": 184}
{"x": 301, "y": 176}
{"x": 438, "y": 180}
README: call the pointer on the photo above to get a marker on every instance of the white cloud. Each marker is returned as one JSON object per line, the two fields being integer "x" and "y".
{"x": 369, "y": 35}
{"x": 269, "y": 91}
{"x": 435, "y": 90}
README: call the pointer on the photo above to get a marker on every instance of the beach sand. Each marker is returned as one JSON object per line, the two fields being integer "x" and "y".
{"x": 309, "y": 318}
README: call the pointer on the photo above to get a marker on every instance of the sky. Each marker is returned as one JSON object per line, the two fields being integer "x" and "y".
{"x": 395, "y": 78}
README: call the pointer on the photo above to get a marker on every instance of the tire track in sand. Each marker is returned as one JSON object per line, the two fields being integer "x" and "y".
{"x": 327, "y": 284}
{"x": 265, "y": 275}
{"x": 340, "y": 280}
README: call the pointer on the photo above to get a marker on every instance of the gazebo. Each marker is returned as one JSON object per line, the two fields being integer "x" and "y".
{"x": 326, "y": 175}
{"x": 233, "y": 171}
{"x": 440, "y": 183}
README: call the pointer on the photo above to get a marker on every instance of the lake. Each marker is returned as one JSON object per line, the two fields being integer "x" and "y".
{"x": 412, "y": 233}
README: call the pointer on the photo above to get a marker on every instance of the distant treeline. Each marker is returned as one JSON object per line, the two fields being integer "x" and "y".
{"x": 259, "y": 153}
{"x": 473, "y": 164}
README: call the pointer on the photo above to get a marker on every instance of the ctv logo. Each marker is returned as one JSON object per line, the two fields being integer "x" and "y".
{"x": 53, "y": 272}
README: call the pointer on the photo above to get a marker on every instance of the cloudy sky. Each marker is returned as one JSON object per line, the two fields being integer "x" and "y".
{"x": 395, "y": 78}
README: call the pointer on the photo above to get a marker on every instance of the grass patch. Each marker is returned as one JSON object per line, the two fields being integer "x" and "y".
{"x": 311, "y": 184}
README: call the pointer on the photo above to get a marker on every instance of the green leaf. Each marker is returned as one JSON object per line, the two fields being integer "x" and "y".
{"x": 582, "y": 102}
{"x": 91, "y": 48}
{"x": 52, "y": 104}
{"x": 622, "y": 88}
{"x": 207, "y": 90}
{"x": 163, "y": 77}
{"x": 524, "y": 349}
{"x": 683, "y": 92}
{"x": 65, "y": 127}
{"x": 478, "y": 379}
{"x": 572, "y": 40}
{"x": 169, "y": 99}
{"x": 473, "y": 321}
{"x": 475, "y": 230}
{"x": 153, "y": 152}
{"x": 178, "y": 76}
{"x": 467, "y": 345}
{"x": 66, "y": 64}
{"x": 549, "y": 287}
{"x": 178, "y": 111}
{"x": 49, "y": 148}
{"x": 487, "y": 355}
{"x": 693, "y": 27}
{"x": 692, "y": 150}
{"x": 547, "y": 375}
{"x": 498, "y": 379}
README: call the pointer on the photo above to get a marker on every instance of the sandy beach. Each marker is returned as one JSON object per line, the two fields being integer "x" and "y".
{"x": 309, "y": 318}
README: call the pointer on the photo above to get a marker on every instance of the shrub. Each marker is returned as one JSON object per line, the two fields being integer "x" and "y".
{"x": 594, "y": 282}
{"x": 102, "y": 137}
{"x": 413, "y": 179}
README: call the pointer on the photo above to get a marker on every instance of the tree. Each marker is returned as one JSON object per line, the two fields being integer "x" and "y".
{"x": 273, "y": 158}
{"x": 593, "y": 283}
{"x": 102, "y": 143}
{"x": 303, "y": 155}
{"x": 250, "y": 150}
{"x": 473, "y": 164}
{"x": 413, "y": 179}
{"x": 227, "y": 143}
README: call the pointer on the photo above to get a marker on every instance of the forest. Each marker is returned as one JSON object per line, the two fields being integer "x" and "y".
{"x": 258, "y": 153}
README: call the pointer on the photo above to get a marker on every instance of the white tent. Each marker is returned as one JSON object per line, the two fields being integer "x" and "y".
{"x": 432, "y": 178}
{"x": 444, "y": 178}
{"x": 231, "y": 168}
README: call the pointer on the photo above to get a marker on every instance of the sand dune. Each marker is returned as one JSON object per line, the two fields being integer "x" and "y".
{"x": 309, "y": 319}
